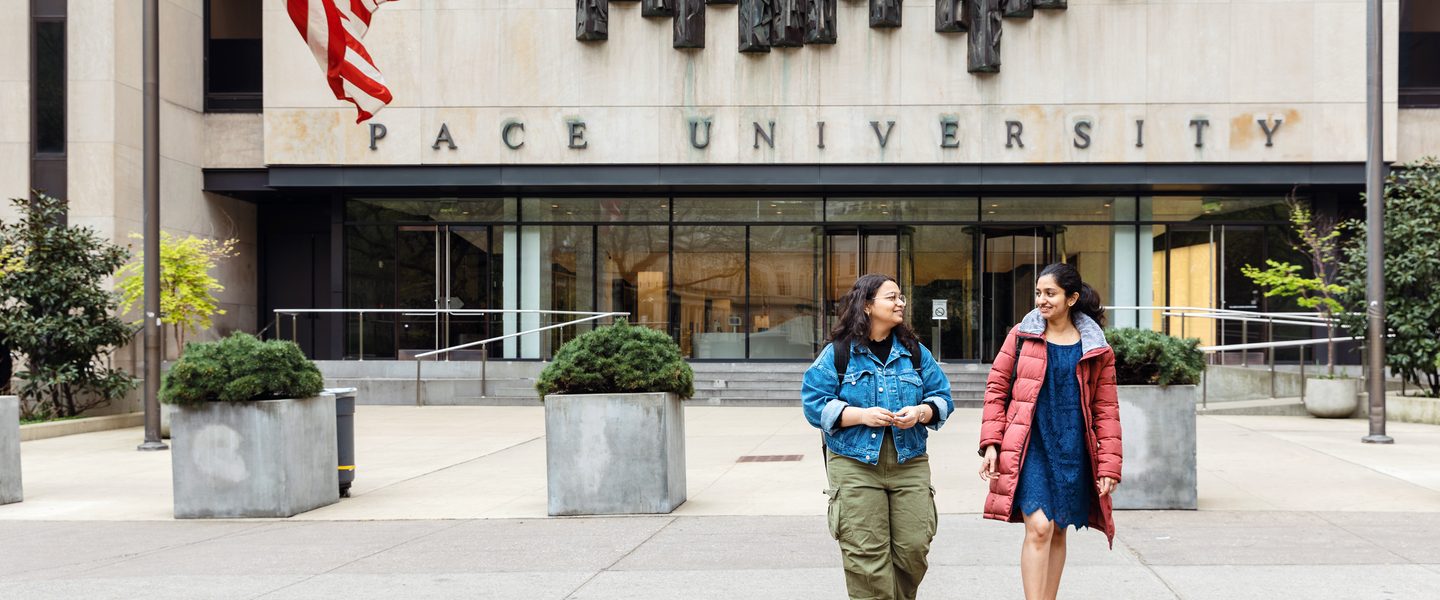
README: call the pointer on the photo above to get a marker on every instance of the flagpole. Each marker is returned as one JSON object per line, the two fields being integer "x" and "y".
{"x": 151, "y": 33}
{"x": 1375, "y": 223}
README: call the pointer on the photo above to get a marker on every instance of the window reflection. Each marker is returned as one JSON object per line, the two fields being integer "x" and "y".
{"x": 784, "y": 291}
{"x": 710, "y": 286}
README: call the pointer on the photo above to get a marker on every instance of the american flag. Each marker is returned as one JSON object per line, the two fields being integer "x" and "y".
{"x": 334, "y": 30}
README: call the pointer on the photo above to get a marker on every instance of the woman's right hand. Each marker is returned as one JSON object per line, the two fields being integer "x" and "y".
{"x": 987, "y": 464}
{"x": 874, "y": 416}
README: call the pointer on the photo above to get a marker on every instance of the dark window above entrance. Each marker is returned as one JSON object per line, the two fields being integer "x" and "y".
{"x": 234, "y": 58}
{"x": 1419, "y": 53}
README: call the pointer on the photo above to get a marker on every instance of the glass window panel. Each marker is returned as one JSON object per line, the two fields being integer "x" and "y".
{"x": 1159, "y": 291}
{"x": 1054, "y": 209}
{"x": 634, "y": 272}
{"x": 370, "y": 283}
{"x": 602, "y": 210}
{"x": 50, "y": 86}
{"x": 390, "y": 210}
{"x": 784, "y": 291}
{"x": 944, "y": 269}
{"x": 1192, "y": 255}
{"x": 565, "y": 264}
{"x": 710, "y": 285}
{"x": 901, "y": 209}
{"x": 1216, "y": 208}
{"x": 747, "y": 210}
{"x": 1091, "y": 250}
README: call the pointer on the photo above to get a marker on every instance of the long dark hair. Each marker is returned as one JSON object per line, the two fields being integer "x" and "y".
{"x": 1069, "y": 280}
{"x": 854, "y": 324}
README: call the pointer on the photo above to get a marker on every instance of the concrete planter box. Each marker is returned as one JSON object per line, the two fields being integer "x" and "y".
{"x": 268, "y": 458}
{"x": 612, "y": 454}
{"x": 1332, "y": 398}
{"x": 1158, "y": 433}
{"x": 10, "y": 488}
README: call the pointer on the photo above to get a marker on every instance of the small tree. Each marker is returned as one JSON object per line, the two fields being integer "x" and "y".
{"x": 11, "y": 261}
{"x": 1318, "y": 238}
{"x": 187, "y": 299}
{"x": 1412, "y": 274}
{"x": 57, "y": 315}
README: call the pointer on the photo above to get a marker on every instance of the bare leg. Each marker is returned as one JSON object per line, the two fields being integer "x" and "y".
{"x": 1035, "y": 555}
{"x": 1057, "y": 563}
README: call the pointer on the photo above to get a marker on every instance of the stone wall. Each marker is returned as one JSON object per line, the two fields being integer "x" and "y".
{"x": 1105, "y": 63}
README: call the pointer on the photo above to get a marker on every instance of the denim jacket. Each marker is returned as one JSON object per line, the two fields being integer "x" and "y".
{"x": 869, "y": 381}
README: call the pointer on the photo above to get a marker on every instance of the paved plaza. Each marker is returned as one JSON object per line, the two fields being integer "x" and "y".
{"x": 449, "y": 502}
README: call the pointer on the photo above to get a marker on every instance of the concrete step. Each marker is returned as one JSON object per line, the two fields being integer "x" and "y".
{"x": 1290, "y": 407}
{"x": 489, "y": 401}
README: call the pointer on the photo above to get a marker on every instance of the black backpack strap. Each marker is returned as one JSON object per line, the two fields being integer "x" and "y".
{"x": 842, "y": 360}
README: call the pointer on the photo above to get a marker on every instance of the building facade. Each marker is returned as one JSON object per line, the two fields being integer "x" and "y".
{"x": 727, "y": 194}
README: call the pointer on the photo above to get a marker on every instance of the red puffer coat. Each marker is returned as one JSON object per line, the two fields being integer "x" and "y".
{"x": 1010, "y": 430}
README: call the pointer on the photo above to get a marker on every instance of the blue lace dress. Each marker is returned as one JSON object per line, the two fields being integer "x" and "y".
{"x": 1056, "y": 474}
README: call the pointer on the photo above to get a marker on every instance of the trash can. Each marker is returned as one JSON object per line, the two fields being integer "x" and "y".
{"x": 345, "y": 436}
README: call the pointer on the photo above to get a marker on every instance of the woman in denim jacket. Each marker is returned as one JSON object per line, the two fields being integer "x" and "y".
{"x": 873, "y": 417}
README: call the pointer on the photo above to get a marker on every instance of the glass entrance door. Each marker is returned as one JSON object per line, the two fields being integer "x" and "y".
{"x": 439, "y": 267}
{"x": 1009, "y": 263}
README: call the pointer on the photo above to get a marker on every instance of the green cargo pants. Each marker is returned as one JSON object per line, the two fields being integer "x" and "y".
{"x": 884, "y": 518}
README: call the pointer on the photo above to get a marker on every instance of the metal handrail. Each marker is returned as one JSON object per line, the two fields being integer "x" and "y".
{"x": 1245, "y": 318}
{"x": 592, "y": 317}
{"x": 294, "y": 314}
{"x": 485, "y": 356}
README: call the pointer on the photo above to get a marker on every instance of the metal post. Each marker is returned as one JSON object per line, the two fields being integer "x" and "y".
{"x": 151, "y": 167}
{"x": 1302, "y": 374}
{"x": 1205, "y": 387}
{"x": 362, "y": 335}
{"x": 484, "y": 369}
{"x": 1375, "y": 221}
{"x": 1270, "y": 337}
{"x": 1244, "y": 339}
{"x": 417, "y": 383}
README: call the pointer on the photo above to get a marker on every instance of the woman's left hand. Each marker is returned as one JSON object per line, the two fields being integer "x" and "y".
{"x": 1106, "y": 485}
{"x": 910, "y": 416}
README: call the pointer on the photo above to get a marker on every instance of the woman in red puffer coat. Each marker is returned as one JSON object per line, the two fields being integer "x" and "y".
{"x": 1050, "y": 438}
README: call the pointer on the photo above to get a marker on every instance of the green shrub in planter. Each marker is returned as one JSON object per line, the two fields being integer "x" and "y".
{"x": 1145, "y": 357}
{"x": 618, "y": 359}
{"x": 240, "y": 368}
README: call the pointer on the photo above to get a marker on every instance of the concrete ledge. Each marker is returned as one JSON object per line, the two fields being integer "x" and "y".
{"x": 40, "y": 431}
{"x": 1411, "y": 409}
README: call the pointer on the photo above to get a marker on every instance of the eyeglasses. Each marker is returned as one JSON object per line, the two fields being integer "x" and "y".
{"x": 900, "y": 299}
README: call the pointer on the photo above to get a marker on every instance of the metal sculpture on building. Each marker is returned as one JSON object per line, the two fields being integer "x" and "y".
{"x": 984, "y": 37}
{"x": 754, "y": 18}
{"x": 885, "y": 13}
{"x": 951, "y": 16}
{"x": 657, "y": 8}
{"x": 689, "y": 24}
{"x": 1019, "y": 9}
{"x": 820, "y": 22}
{"x": 788, "y": 27}
{"x": 592, "y": 19}
{"x": 792, "y": 23}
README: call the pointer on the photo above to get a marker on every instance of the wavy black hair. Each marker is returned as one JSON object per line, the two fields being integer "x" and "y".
{"x": 854, "y": 324}
{"x": 1069, "y": 280}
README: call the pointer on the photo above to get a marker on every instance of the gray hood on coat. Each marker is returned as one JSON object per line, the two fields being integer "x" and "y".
{"x": 1091, "y": 336}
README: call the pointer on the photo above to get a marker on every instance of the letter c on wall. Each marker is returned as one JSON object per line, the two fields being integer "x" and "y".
{"x": 505, "y": 135}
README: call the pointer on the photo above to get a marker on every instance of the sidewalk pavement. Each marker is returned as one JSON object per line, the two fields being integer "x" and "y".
{"x": 449, "y": 502}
